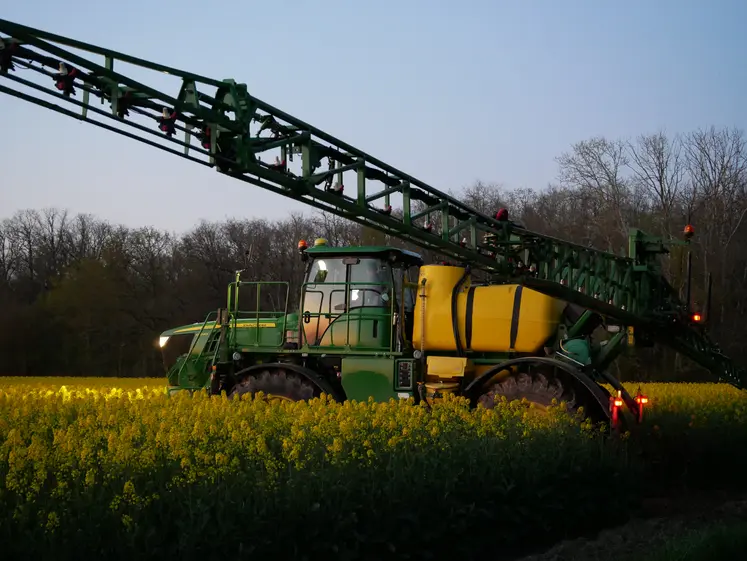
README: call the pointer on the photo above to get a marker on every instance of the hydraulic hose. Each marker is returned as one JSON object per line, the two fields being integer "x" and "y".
{"x": 455, "y": 311}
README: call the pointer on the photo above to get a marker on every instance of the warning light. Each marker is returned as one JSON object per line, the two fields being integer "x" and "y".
{"x": 689, "y": 231}
{"x": 302, "y": 247}
{"x": 697, "y": 318}
{"x": 615, "y": 404}
{"x": 320, "y": 241}
{"x": 641, "y": 400}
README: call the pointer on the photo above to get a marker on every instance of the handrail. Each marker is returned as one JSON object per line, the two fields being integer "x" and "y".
{"x": 194, "y": 342}
{"x": 234, "y": 289}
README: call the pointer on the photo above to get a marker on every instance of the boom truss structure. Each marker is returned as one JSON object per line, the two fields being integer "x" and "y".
{"x": 218, "y": 123}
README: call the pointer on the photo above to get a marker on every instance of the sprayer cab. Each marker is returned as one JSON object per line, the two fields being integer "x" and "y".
{"x": 370, "y": 288}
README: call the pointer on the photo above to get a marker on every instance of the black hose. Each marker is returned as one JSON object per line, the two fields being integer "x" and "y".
{"x": 454, "y": 311}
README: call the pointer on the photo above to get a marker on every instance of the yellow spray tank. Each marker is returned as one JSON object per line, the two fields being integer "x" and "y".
{"x": 492, "y": 319}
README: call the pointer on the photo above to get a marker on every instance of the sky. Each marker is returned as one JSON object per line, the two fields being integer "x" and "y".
{"x": 450, "y": 92}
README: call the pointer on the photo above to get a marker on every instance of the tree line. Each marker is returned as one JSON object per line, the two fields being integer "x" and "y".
{"x": 82, "y": 296}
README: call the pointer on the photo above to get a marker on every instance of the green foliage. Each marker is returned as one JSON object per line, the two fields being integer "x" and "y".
{"x": 86, "y": 307}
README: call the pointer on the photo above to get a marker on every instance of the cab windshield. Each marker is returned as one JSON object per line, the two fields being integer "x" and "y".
{"x": 350, "y": 282}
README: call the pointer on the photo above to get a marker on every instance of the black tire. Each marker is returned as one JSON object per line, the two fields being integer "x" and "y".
{"x": 275, "y": 383}
{"x": 539, "y": 389}
{"x": 539, "y": 385}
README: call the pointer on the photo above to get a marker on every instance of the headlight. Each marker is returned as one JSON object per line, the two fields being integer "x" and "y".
{"x": 162, "y": 341}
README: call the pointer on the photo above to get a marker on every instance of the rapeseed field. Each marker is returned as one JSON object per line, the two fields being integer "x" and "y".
{"x": 118, "y": 468}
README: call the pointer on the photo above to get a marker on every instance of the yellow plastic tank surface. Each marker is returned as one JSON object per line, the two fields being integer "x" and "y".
{"x": 489, "y": 316}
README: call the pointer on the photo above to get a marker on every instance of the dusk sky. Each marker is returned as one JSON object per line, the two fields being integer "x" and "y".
{"x": 450, "y": 92}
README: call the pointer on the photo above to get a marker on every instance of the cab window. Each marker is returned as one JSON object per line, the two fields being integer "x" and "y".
{"x": 325, "y": 291}
{"x": 371, "y": 283}
{"x": 326, "y": 271}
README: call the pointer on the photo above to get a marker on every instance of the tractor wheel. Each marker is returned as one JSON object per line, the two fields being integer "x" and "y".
{"x": 539, "y": 382}
{"x": 539, "y": 389}
{"x": 277, "y": 385}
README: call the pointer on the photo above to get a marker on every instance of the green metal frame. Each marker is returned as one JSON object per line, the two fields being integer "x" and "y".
{"x": 195, "y": 362}
{"x": 239, "y": 128}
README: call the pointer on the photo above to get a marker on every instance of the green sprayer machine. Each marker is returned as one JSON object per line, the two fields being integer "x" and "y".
{"x": 511, "y": 313}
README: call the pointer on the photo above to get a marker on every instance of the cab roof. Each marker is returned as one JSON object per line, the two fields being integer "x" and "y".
{"x": 380, "y": 251}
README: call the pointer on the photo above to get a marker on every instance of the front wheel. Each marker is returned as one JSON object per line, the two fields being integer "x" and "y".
{"x": 277, "y": 384}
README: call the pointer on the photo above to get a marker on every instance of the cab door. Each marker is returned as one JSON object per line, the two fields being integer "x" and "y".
{"x": 367, "y": 324}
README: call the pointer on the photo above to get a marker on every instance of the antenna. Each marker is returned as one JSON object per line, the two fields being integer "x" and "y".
{"x": 247, "y": 261}
{"x": 248, "y": 256}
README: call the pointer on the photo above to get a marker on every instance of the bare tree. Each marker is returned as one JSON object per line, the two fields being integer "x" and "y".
{"x": 717, "y": 202}
{"x": 88, "y": 237}
{"x": 486, "y": 198}
{"x": 595, "y": 168}
{"x": 658, "y": 167}
{"x": 8, "y": 255}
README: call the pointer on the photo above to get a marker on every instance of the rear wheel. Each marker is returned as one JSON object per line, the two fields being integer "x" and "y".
{"x": 277, "y": 384}
{"x": 539, "y": 389}
{"x": 540, "y": 383}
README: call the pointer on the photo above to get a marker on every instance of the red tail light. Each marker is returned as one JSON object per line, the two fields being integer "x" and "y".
{"x": 641, "y": 400}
